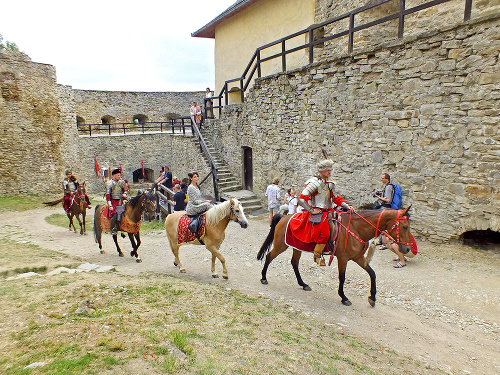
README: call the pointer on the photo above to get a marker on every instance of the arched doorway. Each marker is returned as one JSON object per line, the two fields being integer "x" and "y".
{"x": 137, "y": 176}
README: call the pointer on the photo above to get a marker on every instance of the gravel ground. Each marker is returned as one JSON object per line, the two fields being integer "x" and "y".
{"x": 441, "y": 309}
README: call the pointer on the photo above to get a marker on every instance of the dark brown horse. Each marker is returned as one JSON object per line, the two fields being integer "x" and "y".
{"x": 356, "y": 229}
{"x": 130, "y": 222}
{"x": 78, "y": 207}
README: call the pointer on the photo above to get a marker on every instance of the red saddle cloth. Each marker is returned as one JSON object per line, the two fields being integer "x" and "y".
{"x": 184, "y": 235}
{"x": 294, "y": 242}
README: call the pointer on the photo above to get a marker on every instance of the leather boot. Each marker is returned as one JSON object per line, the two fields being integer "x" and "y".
{"x": 114, "y": 225}
{"x": 318, "y": 254}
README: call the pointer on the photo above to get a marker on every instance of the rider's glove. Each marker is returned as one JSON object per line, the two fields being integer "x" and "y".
{"x": 109, "y": 204}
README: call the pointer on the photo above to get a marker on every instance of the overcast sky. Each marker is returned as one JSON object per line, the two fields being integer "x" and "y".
{"x": 117, "y": 45}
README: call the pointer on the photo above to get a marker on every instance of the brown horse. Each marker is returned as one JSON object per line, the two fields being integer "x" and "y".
{"x": 217, "y": 219}
{"x": 356, "y": 229}
{"x": 130, "y": 222}
{"x": 78, "y": 207}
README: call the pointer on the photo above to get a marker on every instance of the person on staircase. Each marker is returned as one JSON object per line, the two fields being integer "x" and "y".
{"x": 317, "y": 198}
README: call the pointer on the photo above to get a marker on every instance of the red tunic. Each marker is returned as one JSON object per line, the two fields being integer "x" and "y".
{"x": 308, "y": 232}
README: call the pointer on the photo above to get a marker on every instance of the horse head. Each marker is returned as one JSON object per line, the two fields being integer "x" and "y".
{"x": 148, "y": 204}
{"x": 236, "y": 213}
{"x": 400, "y": 230}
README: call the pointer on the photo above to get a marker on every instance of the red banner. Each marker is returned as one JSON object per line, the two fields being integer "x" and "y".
{"x": 143, "y": 171}
{"x": 96, "y": 166}
{"x": 121, "y": 170}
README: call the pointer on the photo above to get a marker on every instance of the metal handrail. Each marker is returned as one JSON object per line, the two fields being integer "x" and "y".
{"x": 169, "y": 126}
{"x": 208, "y": 156}
{"x": 256, "y": 60}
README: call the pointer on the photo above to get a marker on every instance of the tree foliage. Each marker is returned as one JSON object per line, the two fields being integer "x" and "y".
{"x": 9, "y": 46}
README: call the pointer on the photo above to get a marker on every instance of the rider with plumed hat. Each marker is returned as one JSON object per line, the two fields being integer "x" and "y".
{"x": 317, "y": 198}
{"x": 116, "y": 191}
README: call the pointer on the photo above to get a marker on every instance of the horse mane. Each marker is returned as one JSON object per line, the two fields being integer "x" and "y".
{"x": 133, "y": 201}
{"x": 219, "y": 211}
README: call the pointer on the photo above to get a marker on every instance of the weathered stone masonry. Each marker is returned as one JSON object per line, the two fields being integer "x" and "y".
{"x": 425, "y": 110}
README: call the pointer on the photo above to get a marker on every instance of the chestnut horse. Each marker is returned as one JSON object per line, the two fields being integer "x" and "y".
{"x": 78, "y": 207}
{"x": 356, "y": 229}
{"x": 217, "y": 219}
{"x": 130, "y": 222}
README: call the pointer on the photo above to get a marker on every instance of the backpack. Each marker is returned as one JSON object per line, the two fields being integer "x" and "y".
{"x": 397, "y": 198}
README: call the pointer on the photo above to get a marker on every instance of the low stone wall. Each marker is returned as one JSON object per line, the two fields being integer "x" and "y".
{"x": 423, "y": 110}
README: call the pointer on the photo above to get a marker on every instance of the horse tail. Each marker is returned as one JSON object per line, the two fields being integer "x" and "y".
{"x": 270, "y": 237}
{"x": 53, "y": 203}
{"x": 369, "y": 254}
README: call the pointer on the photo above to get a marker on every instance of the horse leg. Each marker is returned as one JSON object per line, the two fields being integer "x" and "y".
{"x": 342, "y": 267}
{"x": 278, "y": 248}
{"x": 79, "y": 222}
{"x": 214, "y": 274}
{"x": 135, "y": 241}
{"x": 175, "y": 250}
{"x": 216, "y": 254}
{"x": 97, "y": 228}
{"x": 115, "y": 238}
{"x": 373, "y": 277}
{"x": 84, "y": 214}
{"x": 70, "y": 217}
{"x": 295, "y": 264}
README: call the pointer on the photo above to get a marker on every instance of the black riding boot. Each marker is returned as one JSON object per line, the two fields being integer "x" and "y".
{"x": 114, "y": 224}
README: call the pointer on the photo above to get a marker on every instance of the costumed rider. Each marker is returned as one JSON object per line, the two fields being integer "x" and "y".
{"x": 70, "y": 184}
{"x": 115, "y": 193}
{"x": 317, "y": 198}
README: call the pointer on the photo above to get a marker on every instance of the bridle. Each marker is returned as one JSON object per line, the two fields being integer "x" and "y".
{"x": 232, "y": 214}
{"x": 386, "y": 232}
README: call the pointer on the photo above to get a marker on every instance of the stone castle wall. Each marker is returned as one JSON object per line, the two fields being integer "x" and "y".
{"x": 425, "y": 110}
{"x": 40, "y": 140}
{"x": 30, "y": 127}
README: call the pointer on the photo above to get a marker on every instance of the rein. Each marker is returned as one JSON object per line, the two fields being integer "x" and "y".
{"x": 377, "y": 228}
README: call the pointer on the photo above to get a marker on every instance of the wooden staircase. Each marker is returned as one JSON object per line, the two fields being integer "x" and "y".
{"x": 229, "y": 186}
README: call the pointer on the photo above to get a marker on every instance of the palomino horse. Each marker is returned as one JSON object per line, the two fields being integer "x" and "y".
{"x": 78, "y": 206}
{"x": 130, "y": 222}
{"x": 356, "y": 229}
{"x": 217, "y": 219}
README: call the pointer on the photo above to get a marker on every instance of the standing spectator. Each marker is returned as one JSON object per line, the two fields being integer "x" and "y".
{"x": 161, "y": 176}
{"x": 167, "y": 178}
{"x": 273, "y": 198}
{"x": 209, "y": 103}
{"x": 179, "y": 198}
{"x": 195, "y": 113}
{"x": 292, "y": 202}
{"x": 387, "y": 194}
{"x": 284, "y": 207}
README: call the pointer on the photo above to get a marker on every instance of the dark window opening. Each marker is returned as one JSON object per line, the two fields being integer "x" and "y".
{"x": 137, "y": 176}
{"x": 140, "y": 119}
{"x": 80, "y": 120}
{"x": 485, "y": 239}
{"x": 108, "y": 119}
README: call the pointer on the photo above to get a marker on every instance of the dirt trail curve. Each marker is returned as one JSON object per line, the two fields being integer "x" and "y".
{"x": 443, "y": 309}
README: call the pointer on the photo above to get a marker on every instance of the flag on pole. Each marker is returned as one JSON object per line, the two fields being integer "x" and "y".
{"x": 143, "y": 171}
{"x": 96, "y": 166}
{"x": 121, "y": 170}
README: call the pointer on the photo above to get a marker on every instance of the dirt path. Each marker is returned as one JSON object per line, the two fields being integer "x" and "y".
{"x": 443, "y": 309}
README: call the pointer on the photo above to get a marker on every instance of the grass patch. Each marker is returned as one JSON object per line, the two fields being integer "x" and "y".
{"x": 191, "y": 327}
{"x": 22, "y": 202}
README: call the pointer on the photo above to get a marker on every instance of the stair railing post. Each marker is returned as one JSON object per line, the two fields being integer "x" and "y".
{"x": 311, "y": 47}
{"x": 401, "y": 18}
{"x": 351, "y": 33}
{"x": 283, "y": 56}
{"x": 468, "y": 9}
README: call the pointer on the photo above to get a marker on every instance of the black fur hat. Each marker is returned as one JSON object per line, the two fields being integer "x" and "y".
{"x": 115, "y": 171}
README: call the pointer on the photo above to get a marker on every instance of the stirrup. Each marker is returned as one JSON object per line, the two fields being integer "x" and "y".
{"x": 319, "y": 260}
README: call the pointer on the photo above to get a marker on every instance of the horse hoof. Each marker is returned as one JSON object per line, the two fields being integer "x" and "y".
{"x": 120, "y": 255}
{"x": 263, "y": 281}
{"x": 175, "y": 264}
{"x": 225, "y": 277}
{"x": 183, "y": 271}
{"x": 371, "y": 302}
{"x": 215, "y": 276}
{"x": 307, "y": 287}
{"x": 102, "y": 251}
{"x": 138, "y": 260}
{"x": 346, "y": 303}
